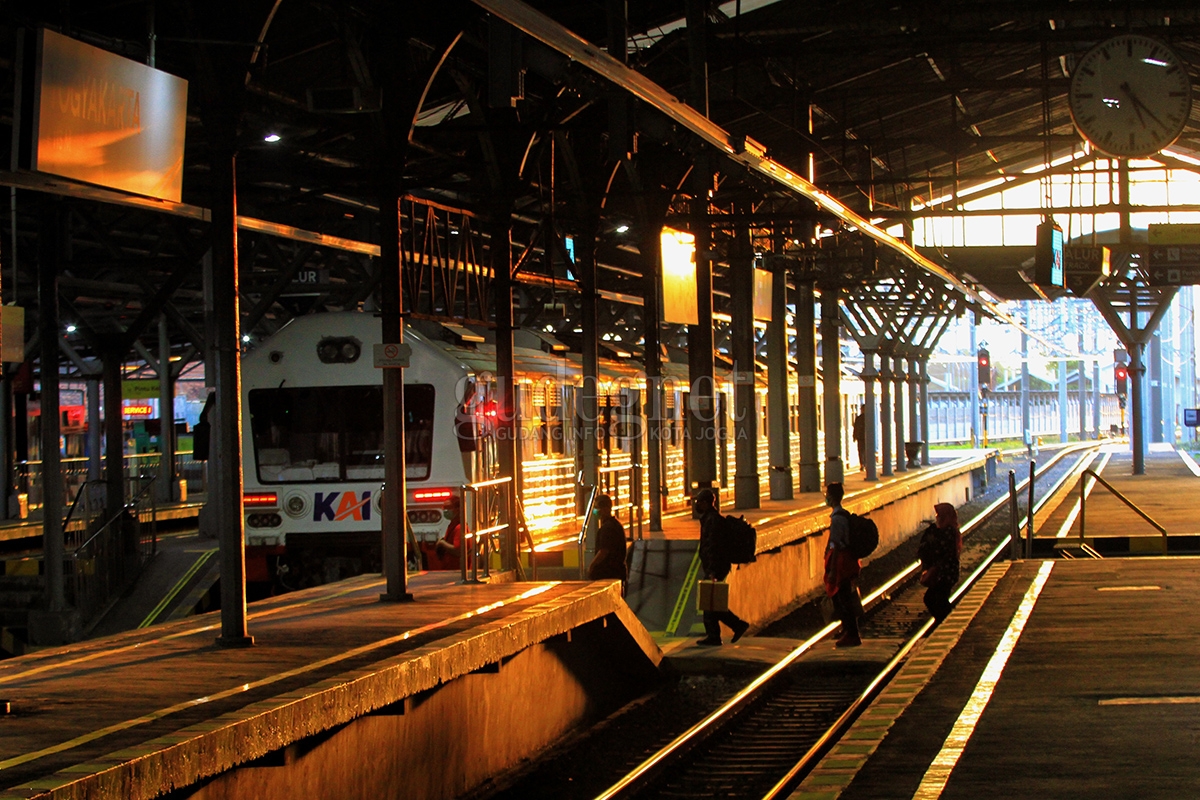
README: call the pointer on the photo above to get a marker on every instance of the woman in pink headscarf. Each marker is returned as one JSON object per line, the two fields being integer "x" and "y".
{"x": 941, "y": 544}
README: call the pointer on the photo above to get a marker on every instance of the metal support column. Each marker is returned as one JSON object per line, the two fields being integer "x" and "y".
{"x": 1062, "y": 400}
{"x": 870, "y": 413}
{"x": 898, "y": 409}
{"x": 501, "y": 258}
{"x": 1026, "y": 423}
{"x": 651, "y": 248}
{"x": 924, "y": 384}
{"x": 806, "y": 379}
{"x": 779, "y": 432}
{"x": 7, "y": 449}
{"x": 885, "y": 413}
{"x": 589, "y": 411}
{"x": 166, "y": 416}
{"x": 226, "y": 354}
{"x": 831, "y": 373}
{"x": 914, "y": 400}
{"x": 745, "y": 402}
{"x": 702, "y": 403}
{"x": 1154, "y": 409}
{"x": 51, "y": 236}
{"x": 1082, "y": 387}
{"x": 393, "y": 508}
{"x": 976, "y": 419}
{"x": 1096, "y": 399}
{"x": 94, "y": 429}
{"x": 1137, "y": 398}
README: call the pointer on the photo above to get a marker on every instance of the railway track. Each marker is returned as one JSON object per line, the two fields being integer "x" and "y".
{"x": 763, "y": 725}
{"x": 763, "y": 741}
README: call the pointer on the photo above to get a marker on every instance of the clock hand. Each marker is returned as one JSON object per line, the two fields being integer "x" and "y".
{"x": 1139, "y": 106}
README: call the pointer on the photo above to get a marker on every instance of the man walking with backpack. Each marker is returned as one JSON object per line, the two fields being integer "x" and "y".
{"x": 715, "y": 561}
{"x": 842, "y": 568}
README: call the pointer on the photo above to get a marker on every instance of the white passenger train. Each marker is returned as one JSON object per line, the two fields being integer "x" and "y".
{"x": 313, "y": 441}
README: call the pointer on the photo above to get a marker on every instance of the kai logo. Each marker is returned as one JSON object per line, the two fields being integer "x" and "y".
{"x": 349, "y": 506}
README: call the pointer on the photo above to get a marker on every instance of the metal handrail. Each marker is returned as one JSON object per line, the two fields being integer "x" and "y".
{"x": 1083, "y": 503}
{"x": 587, "y": 518}
{"x": 468, "y": 534}
{"x": 74, "y": 503}
{"x": 131, "y": 504}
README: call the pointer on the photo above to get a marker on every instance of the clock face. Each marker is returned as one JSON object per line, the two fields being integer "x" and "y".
{"x": 1130, "y": 96}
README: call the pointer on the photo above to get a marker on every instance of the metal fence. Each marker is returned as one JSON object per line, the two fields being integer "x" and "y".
{"x": 138, "y": 469}
{"x": 950, "y": 415}
{"x": 107, "y": 550}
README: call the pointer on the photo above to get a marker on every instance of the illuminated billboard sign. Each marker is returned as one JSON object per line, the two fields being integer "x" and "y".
{"x": 106, "y": 120}
{"x": 137, "y": 410}
{"x": 679, "y": 303}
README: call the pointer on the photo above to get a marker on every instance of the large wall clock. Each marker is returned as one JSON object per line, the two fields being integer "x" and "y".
{"x": 1130, "y": 96}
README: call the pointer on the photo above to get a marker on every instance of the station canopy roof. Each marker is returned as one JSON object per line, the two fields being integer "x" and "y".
{"x": 894, "y": 102}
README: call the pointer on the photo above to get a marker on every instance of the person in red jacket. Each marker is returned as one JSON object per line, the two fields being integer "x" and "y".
{"x": 842, "y": 568}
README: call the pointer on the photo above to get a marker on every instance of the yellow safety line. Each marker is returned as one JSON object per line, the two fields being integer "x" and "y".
{"x": 245, "y": 687}
{"x": 100, "y": 653}
{"x": 684, "y": 593}
{"x": 176, "y": 589}
{"x": 943, "y": 764}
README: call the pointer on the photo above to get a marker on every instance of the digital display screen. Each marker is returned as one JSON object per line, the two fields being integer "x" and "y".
{"x": 1048, "y": 259}
{"x": 1189, "y": 417}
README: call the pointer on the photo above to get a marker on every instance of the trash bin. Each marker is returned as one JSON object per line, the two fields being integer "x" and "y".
{"x": 183, "y": 490}
{"x": 912, "y": 451}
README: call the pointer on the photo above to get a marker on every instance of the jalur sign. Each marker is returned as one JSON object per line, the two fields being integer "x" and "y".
{"x": 1174, "y": 255}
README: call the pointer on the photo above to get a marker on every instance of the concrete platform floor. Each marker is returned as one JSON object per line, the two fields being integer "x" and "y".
{"x": 154, "y": 709}
{"x": 1067, "y": 678}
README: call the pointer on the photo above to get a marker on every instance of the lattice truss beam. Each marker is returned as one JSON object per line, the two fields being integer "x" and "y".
{"x": 901, "y": 310}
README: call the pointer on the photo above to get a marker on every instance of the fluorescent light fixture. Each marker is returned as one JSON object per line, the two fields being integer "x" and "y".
{"x": 1154, "y": 62}
{"x": 272, "y": 138}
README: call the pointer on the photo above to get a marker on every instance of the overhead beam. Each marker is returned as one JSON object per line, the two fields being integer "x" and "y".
{"x": 554, "y": 35}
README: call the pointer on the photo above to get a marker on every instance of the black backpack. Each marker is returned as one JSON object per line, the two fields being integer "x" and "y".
{"x": 739, "y": 540}
{"x": 864, "y": 535}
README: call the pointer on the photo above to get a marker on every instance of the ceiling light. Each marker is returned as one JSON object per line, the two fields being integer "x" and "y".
{"x": 71, "y": 328}
{"x": 622, "y": 228}
{"x": 272, "y": 138}
{"x": 246, "y": 338}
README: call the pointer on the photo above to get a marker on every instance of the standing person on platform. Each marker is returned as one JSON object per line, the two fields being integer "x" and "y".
{"x": 609, "y": 561}
{"x": 941, "y": 545}
{"x": 842, "y": 568}
{"x": 860, "y": 437}
{"x": 449, "y": 547}
{"x": 716, "y": 566}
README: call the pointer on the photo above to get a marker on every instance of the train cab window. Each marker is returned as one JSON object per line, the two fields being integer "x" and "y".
{"x": 335, "y": 433}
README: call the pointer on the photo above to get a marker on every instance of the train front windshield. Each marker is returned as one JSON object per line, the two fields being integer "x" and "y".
{"x": 335, "y": 433}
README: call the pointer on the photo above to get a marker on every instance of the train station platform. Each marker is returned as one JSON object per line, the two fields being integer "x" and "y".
{"x": 444, "y": 691}
{"x": 1127, "y": 513}
{"x": 789, "y": 567}
{"x": 1057, "y": 678}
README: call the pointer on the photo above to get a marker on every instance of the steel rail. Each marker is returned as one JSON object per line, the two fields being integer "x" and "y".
{"x": 696, "y": 733}
{"x": 835, "y": 731}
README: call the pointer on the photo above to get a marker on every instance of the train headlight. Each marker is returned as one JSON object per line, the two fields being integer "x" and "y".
{"x": 295, "y": 505}
{"x": 339, "y": 350}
